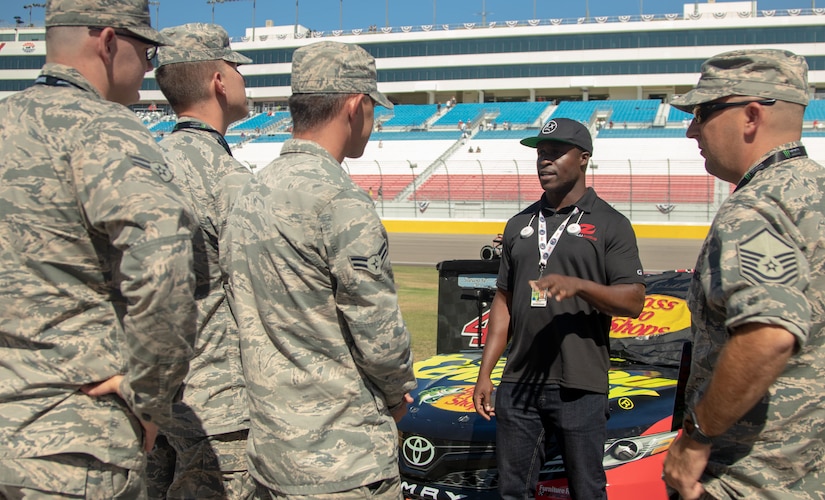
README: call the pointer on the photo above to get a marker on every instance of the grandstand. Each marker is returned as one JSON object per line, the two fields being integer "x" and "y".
{"x": 634, "y": 112}
{"x": 470, "y": 87}
{"x": 517, "y": 114}
{"x": 405, "y": 116}
{"x": 261, "y": 122}
{"x": 163, "y": 126}
{"x": 815, "y": 114}
{"x": 647, "y": 170}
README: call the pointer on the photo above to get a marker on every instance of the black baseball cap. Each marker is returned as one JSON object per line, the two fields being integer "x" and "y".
{"x": 563, "y": 130}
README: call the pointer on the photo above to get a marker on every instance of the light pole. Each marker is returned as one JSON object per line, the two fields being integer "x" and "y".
{"x": 296, "y": 18}
{"x": 30, "y": 7}
{"x": 484, "y": 13}
{"x": 387, "y": 13}
{"x": 341, "y": 15}
{"x": 433, "y": 12}
{"x": 213, "y": 2}
{"x": 483, "y": 191}
{"x": 449, "y": 191}
{"x": 253, "y": 20}
{"x": 413, "y": 166}
{"x": 157, "y": 13}
{"x": 380, "y": 186}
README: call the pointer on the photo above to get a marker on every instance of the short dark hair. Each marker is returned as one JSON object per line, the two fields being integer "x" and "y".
{"x": 184, "y": 84}
{"x": 312, "y": 110}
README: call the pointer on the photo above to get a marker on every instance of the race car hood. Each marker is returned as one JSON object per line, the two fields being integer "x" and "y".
{"x": 640, "y": 396}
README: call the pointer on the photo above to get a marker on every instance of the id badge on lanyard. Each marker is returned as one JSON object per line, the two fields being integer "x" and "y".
{"x": 538, "y": 298}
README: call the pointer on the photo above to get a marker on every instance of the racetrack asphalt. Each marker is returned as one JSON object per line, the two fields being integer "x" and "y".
{"x": 657, "y": 254}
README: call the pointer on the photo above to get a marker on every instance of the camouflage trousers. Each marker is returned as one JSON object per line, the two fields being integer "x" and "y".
{"x": 69, "y": 476}
{"x": 212, "y": 467}
{"x": 388, "y": 489}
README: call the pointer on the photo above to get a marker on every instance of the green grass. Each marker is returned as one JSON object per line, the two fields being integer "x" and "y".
{"x": 418, "y": 299}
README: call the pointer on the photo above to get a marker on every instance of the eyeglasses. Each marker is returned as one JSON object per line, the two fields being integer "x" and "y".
{"x": 151, "y": 51}
{"x": 701, "y": 112}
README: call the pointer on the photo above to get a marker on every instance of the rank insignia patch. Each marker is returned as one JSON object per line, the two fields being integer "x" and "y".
{"x": 373, "y": 263}
{"x": 159, "y": 169}
{"x": 764, "y": 258}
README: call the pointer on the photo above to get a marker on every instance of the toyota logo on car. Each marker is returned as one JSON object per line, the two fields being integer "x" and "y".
{"x": 418, "y": 451}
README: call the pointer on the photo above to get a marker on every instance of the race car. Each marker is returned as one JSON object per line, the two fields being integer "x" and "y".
{"x": 447, "y": 451}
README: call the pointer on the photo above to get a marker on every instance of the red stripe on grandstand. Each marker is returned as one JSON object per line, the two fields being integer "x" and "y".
{"x": 390, "y": 185}
{"x": 654, "y": 188}
{"x": 497, "y": 187}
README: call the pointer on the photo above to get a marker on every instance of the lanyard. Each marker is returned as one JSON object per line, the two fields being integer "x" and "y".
{"x": 53, "y": 81}
{"x": 206, "y": 128}
{"x": 547, "y": 246}
{"x": 785, "y": 154}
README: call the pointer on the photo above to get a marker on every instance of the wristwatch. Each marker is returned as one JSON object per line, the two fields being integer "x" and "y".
{"x": 693, "y": 430}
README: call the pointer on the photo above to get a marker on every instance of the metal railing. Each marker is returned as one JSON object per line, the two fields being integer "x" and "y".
{"x": 657, "y": 191}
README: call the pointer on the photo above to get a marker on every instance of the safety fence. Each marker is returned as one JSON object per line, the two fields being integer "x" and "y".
{"x": 644, "y": 190}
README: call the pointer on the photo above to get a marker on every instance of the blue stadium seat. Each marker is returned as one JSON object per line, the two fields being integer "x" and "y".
{"x": 259, "y": 122}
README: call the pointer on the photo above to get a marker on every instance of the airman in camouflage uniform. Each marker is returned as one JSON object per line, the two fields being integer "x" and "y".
{"x": 205, "y": 448}
{"x": 755, "y": 425}
{"x": 95, "y": 264}
{"x": 327, "y": 357}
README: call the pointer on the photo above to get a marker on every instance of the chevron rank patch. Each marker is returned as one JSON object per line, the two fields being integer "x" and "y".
{"x": 159, "y": 169}
{"x": 371, "y": 264}
{"x": 764, "y": 258}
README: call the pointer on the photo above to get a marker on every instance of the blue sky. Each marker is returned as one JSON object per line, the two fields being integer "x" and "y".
{"x": 327, "y": 15}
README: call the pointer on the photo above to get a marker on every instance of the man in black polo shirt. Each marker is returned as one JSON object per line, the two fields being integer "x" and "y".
{"x": 569, "y": 262}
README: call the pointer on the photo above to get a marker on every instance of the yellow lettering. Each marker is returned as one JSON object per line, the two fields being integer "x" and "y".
{"x": 623, "y": 384}
{"x": 455, "y": 367}
{"x": 624, "y": 392}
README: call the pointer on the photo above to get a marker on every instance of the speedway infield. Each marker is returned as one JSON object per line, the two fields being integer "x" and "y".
{"x": 427, "y": 243}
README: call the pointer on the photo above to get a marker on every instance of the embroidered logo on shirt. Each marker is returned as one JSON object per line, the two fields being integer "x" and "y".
{"x": 764, "y": 258}
{"x": 588, "y": 231}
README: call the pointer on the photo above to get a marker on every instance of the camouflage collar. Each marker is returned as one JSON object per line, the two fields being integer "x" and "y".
{"x": 786, "y": 152}
{"x": 305, "y": 146}
{"x": 70, "y": 75}
{"x": 186, "y": 123}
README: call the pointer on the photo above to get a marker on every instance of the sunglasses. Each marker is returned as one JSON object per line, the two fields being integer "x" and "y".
{"x": 151, "y": 51}
{"x": 701, "y": 112}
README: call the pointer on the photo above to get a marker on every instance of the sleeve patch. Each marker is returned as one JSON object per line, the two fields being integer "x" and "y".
{"x": 371, "y": 264}
{"x": 160, "y": 169}
{"x": 765, "y": 258}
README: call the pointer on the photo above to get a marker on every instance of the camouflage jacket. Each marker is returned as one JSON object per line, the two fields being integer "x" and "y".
{"x": 325, "y": 348}
{"x": 764, "y": 262}
{"x": 95, "y": 274}
{"x": 214, "y": 399}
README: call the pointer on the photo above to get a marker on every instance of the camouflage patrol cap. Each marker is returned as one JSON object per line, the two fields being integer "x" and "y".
{"x": 335, "y": 68}
{"x": 769, "y": 73}
{"x": 196, "y": 42}
{"x": 129, "y": 15}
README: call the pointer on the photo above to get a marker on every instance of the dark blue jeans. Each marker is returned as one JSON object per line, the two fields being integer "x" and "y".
{"x": 526, "y": 414}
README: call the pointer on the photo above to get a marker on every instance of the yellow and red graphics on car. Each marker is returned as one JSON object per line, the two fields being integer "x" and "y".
{"x": 662, "y": 314}
{"x": 458, "y": 373}
{"x": 470, "y": 329}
